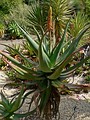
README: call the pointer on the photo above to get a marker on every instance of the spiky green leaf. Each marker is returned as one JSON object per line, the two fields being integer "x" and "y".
{"x": 24, "y": 73}
{"x": 17, "y": 101}
{"x": 44, "y": 61}
{"x": 17, "y": 63}
{"x": 70, "y": 70}
{"x": 5, "y": 102}
{"x": 32, "y": 42}
{"x": 72, "y": 46}
{"x": 21, "y": 55}
{"x": 57, "y": 49}
{"x": 67, "y": 55}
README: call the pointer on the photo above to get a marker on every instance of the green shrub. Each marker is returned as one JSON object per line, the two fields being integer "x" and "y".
{"x": 13, "y": 30}
{"x": 87, "y": 78}
{"x": 2, "y": 28}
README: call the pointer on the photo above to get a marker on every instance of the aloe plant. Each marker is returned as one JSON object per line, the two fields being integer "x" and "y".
{"x": 46, "y": 77}
{"x": 9, "y": 107}
{"x": 78, "y": 22}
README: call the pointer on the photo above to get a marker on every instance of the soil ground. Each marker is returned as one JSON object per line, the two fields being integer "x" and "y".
{"x": 10, "y": 42}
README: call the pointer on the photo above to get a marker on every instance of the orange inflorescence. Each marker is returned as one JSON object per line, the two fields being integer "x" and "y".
{"x": 49, "y": 24}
